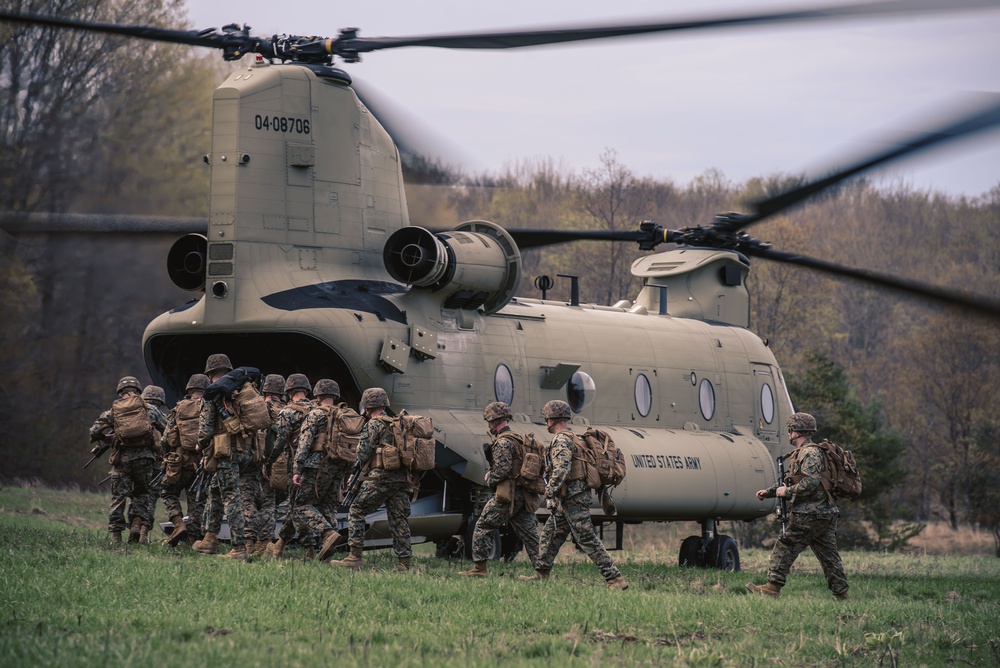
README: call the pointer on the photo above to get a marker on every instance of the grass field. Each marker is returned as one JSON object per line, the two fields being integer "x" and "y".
{"x": 68, "y": 599}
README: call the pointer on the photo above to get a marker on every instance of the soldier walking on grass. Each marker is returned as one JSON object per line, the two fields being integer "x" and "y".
{"x": 316, "y": 476}
{"x": 510, "y": 503}
{"x": 813, "y": 512}
{"x": 273, "y": 389}
{"x": 135, "y": 429}
{"x": 181, "y": 458}
{"x": 286, "y": 434}
{"x": 568, "y": 499}
{"x": 155, "y": 398}
{"x": 384, "y": 482}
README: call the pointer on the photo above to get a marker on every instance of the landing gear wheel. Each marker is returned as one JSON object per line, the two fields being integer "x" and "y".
{"x": 724, "y": 554}
{"x": 689, "y": 552}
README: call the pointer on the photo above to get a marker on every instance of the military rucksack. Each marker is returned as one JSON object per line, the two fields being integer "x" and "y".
{"x": 841, "y": 477}
{"x": 343, "y": 432}
{"x": 408, "y": 442}
{"x": 248, "y": 411}
{"x": 599, "y": 461}
{"x": 187, "y": 418}
{"x": 133, "y": 427}
{"x": 528, "y": 466}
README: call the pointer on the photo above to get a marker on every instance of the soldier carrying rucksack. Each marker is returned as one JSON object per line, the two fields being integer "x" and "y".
{"x": 812, "y": 508}
{"x": 515, "y": 474}
{"x": 135, "y": 429}
{"x": 180, "y": 463}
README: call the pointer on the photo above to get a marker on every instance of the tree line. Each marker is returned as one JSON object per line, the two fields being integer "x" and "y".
{"x": 91, "y": 124}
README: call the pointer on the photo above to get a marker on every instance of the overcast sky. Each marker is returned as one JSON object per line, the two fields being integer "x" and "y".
{"x": 747, "y": 101}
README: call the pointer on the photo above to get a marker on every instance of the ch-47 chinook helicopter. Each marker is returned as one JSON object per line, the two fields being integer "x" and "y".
{"x": 308, "y": 263}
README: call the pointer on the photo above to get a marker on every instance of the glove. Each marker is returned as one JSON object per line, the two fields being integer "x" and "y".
{"x": 551, "y": 504}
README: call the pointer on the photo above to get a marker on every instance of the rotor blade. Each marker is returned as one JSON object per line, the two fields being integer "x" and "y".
{"x": 527, "y": 38}
{"x": 191, "y": 37}
{"x": 42, "y": 223}
{"x": 535, "y": 238}
{"x": 978, "y": 303}
{"x": 985, "y": 115}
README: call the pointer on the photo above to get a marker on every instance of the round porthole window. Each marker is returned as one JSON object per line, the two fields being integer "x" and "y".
{"x": 767, "y": 403}
{"x": 503, "y": 384}
{"x": 706, "y": 399}
{"x": 580, "y": 391}
{"x": 643, "y": 395}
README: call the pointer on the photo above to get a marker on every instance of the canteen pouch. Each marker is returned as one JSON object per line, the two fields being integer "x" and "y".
{"x": 505, "y": 492}
{"x": 223, "y": 446}
{"x": 423, "y": 454}
{"x": 173, "y": 464}
{"x": 390, "y": 458}
{"x": 279, "y": 473}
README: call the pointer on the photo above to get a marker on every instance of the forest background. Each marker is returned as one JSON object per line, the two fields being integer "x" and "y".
{"x": 90, "y": 124}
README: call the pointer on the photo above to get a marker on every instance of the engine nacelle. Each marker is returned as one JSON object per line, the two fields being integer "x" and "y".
{"x": 475, "y": 265}
{"x": 186, "y": 262}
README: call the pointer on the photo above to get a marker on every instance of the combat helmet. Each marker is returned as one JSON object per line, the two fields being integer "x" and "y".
{"x": 802, "y": 422}
{"x": 326, "y": 388}
{"x": 374, "y": 397}
{"x": 556, "y": 409}
{"x": 496, "y": 410}
{"x": 127, "y": 382}
{"x": 155, "y": 394}
{"x": 198, "y": 381}
{"x": 273, "y": 384}
{"x": 218, "y": 362}
{"x": 297, "y": 381}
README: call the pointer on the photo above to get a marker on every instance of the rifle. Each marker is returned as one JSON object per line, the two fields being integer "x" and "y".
{"x": 782, "y": 500}
{"x": 353, "y": 485}
{"x": 158, "y": 478}
{"x": 104, "y": 481}
{"x": 105, "y": 437}
{"x": 200, "y": 480}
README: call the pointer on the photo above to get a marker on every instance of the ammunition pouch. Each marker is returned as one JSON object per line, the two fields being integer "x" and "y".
{"x": 505, "y": 492}
{"x": 173, "y": 464}
{"x": 278, "y": 479}
{"x": 222, "y": 445}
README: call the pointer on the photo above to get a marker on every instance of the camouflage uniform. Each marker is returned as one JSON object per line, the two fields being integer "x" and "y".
{"x": 132, "y": 469}
{"x": 813, "y": 521}
{"x": 392, "y": 488}
{"x": 286, "y": 432}
{"x": 171, "y": 493}
{"x": 225, "y": 486}
{"x": 316, "y": 501}
{"x": 572, "y": 511}
{"x": 269, "y": 505}
{"x": 495, "y": 515}
{"x": 155, "y": 399}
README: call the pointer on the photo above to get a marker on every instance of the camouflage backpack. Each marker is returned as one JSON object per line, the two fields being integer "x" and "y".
{"x": 600, "y": 462}
{"x": 841, "y": 478}
{"x": 342, "y": 434}
{"x": 131, "y": 419}
{"x": 408, "y": 442}
{"x": 528, "y": 469}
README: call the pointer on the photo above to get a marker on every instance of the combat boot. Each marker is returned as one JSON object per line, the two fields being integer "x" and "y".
{"x": 618, "y": 583}
{"x": 116, "y": 537}
{"x": 261, "y": 550}
{"x": 478, "y": 570}
{"x": 539, "y": 575}
{"x": 353, "y": 560}
{"x": 277, "y": 549}
{"x": 403, "y": 566}
{"x": 179, "y": 533}
{"x": 238, "y": 553}
{"x": 135, "y": 530}
{"x": 770, "y": 589}
{"x": 329, "y": 541}
{"x": 144, "y": 535}
{"x": 207, "y": 545}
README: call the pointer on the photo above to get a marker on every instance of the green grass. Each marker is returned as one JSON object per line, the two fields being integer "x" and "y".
{"x": 68, "y": 599}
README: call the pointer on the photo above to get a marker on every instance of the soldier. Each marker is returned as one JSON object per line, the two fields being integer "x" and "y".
{"x": 317, "y": 477}
{"x": 813, "y": 514}
{"x": 181, "y": 457}
{"x": 155, "y": 397}
{"x": 519, "y": 511}
{"x": 286, "y": 433}
{"x": 273, "y": 389}
{"x": 391, "y": 486}
{"x": 232, "y": 453}
{"x": 133, "y": 426}
{"x": 568, "y": 499}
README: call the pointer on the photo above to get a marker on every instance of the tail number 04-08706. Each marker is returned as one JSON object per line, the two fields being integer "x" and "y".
{"x": 282, "y": 124}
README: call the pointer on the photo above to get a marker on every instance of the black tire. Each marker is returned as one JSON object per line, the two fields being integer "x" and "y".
{"x": 689, "y": 552}
{"x": 724, "y": 554}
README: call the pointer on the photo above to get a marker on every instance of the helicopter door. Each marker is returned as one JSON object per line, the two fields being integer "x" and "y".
{"x": 767, "y": 424}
